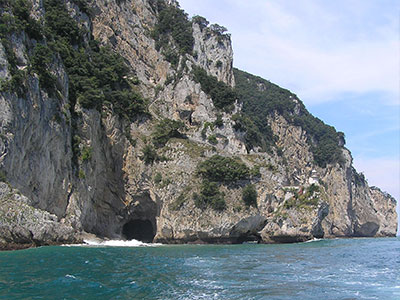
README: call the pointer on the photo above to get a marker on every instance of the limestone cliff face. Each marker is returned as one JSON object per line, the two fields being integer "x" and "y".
{"x": 112, "y": 192}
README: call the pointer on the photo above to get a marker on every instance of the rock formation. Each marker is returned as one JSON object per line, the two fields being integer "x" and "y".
{"x": 71, "y": 165}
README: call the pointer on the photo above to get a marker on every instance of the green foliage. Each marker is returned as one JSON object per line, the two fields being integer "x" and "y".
{"x": 219, "y": 122}
{"x": 165, "y": 182}
{"x": 222, "y": 169}
{"x": 324, "y": 139}
{"x": 255, "y": 171}
{"x": 205, "y": 128}
{"x": 86, "y": 153}
{"x": 210, "y": 196}
{"x": 358, "y": 178}
{"x": 171, "y": 56}
{"x": 59, "y": 23}
{"x": 16, "y": 82}
{"x": 249, "y": 195}
{"x": 177, "y": 204}
{"x": 259, "y": 135}
{"x": 165, "y": 130}
{"x": 307, "y": 199}
{"x": 83, "y": 6}
{"x": 41, "y": 61}
{"x": 201, "y": 21}
{"x": 216, "y": 170}
{"x": 157, "y": 178}
{"x": 223, "y": 96}
{"x": 172, "y": 23}
{"x": 97, "y": 74}
{"x": 16, "y": 17}
{"x": 218, "y": 29}
{"x": 261, "y": 98}
{"x": 81, "y": 174}
{"x": 149, "y": 154}
{"x": 212, "y": 139}
{"x": 76, "y": 151}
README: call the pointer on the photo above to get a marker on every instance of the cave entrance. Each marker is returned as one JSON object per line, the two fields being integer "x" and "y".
{"x": 141, "y": 230}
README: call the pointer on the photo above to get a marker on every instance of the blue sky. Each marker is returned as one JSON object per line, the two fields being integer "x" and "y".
{"x": 342, "y": 58}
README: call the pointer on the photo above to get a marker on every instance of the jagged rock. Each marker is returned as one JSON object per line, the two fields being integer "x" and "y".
{"x": 23, "y": 226}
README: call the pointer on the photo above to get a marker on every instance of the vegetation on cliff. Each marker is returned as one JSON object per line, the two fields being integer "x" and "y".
{"x": 305, "y": 199}
{"x": 249, "y": 195}
{"x": 165, "y": 130}
{"x": 223, "y": 169}
{"x": 173, "y": 32}
{"x": 223, "y": 96}
{"x": 262, "y": 98}
{"x": 218, "y": 170}
{"x": 97, "y": 75}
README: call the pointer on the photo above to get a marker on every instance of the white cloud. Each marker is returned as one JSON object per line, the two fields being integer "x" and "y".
{"x": 317, "y": 49}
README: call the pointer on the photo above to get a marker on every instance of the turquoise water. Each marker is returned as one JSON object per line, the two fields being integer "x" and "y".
{"x": 326, "y": 269}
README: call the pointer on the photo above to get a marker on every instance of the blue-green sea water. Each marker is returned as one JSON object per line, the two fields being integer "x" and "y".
{"x": 325, "y": 269}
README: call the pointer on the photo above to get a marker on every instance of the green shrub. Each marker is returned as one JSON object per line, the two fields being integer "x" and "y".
{"x": 76, "y": 151}
{"x": 219, "y": 122}
{"x": 307, "y": 199}
{"x": 249, "y": 195}
{"x": 222, "y": 95}
{"x": 261, "y": 98}
{"x": 222, "y": 169}
{"x": 86, "y": 153}
{"x": 212, "y": 139}
{"x": 149, "y": 154}
{"x": 210, "y": 196}
{"x": 255, "y": 136}
{"x": 172, "y": 22}
{"x": 83, "y": 6}
{"x": 41, "y": 61}
{"x": 16, "y": 83}
{"x": 255, "y": 171}
{"x": 81, "y": 174}
{"x": 59, "y": 23}
{"x": 157, "y": 178}
{"x": 201, "y": 21}
{"x": 97, "y": 75}
{"x": 165, "y": 130}
{"x": 16, "y": 17}
{"x": 205, "y": 128}
{"x": 177, "y": 204}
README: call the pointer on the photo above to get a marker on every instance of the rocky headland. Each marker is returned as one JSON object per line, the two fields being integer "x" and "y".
{"x": 126, "y": 119}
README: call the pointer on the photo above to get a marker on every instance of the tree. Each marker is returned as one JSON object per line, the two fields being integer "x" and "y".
{"x": 201, "y": 21}
{"x": 249, "y": 195}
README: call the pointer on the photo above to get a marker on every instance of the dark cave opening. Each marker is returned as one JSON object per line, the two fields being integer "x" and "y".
{"x": 141, "y": 230}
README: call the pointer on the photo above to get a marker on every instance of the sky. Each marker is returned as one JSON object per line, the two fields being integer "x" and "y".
{"x": 341, "y": 58}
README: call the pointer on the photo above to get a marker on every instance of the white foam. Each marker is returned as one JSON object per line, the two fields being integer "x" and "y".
{"x": 70, "y": 276}
{"x": 313, "y": 240}
{"x": 118, "y": 243}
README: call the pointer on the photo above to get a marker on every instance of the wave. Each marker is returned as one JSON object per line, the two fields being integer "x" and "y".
{"x": 117, "y": 243}
{"x": 313, "y": 240}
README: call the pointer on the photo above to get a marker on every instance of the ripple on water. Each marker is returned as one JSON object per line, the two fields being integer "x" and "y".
{"x": 334, "y": 269}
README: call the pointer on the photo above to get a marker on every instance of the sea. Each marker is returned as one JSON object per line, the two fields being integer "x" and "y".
{"x": 320, "y": 269}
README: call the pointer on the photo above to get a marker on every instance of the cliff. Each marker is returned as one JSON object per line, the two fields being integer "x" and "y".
{"x": 125, "y": 119}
